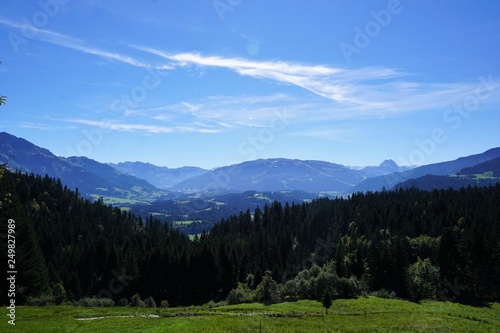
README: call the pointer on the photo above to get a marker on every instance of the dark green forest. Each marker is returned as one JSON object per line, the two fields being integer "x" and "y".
{"x": 407, "y": 243}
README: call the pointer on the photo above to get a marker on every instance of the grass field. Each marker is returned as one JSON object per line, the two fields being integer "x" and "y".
{"x": 184, "y": 222}
{"x": 361, "y": 315}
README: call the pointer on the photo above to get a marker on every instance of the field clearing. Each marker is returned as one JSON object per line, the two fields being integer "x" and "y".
{"x": 185, "y": 222}
{"x": 360, "y": 315}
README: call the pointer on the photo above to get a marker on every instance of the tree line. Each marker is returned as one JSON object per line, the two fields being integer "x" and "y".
{"x": 407, "y": 243}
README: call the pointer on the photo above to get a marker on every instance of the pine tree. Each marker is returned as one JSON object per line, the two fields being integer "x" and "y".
{"x": 32, "y": 278}
{"x": 268, "y": 289}
{"x": 326, "y": 301}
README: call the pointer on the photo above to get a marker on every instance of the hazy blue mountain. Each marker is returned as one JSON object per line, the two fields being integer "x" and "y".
{"x": 483, "y": 174}
{"x": 432, "y": 182}
{"x": 491, "y": 166}
{"x": 93, "y": 179}
{"x": 436, "y": 169}
{"x": 275, "y": 175}
{"x": 131, "y": 181}
{"x": 22, "y": 155}
{"x": 385, "y": 168}
{"x": 161, "y": 177}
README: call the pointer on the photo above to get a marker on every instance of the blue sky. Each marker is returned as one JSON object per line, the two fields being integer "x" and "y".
{"x": 212, "y": 83}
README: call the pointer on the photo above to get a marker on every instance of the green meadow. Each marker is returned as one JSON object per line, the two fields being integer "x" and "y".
{"x": 366, "y": 314}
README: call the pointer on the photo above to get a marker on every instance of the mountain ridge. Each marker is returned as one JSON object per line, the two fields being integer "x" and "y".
{"x": 160, "y": 176}
{"x": 133, "y": 180}
{"x": 437, "y": 169}
{"x": 93, "y": 179}
{"x": 274, "y": 174}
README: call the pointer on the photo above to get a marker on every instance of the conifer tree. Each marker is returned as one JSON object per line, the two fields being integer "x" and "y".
{"x": 326, "y": 300}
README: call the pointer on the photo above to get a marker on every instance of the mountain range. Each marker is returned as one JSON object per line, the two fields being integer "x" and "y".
{"x": 279, "y": 174}
{"x": 135, "y": 182}
{"x": 437, "y": 169}
{"x": 162, "y": 177}
{"x": 93, "y": 179}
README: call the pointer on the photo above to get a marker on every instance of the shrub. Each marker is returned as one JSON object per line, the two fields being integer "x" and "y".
{"x": 164, "y": 304}
{"x": 383, "y": 293}
{"x": 96, "y": 302}
{"x": 136, "y": 301}
{"x": 122, "y": 302}
{"x": 242, "y": 294}
{"x": 42, "y": 300}
{"x": 150, "y": 302}
{"x": 58, "y": 293}
{"x": 348, "y": 288}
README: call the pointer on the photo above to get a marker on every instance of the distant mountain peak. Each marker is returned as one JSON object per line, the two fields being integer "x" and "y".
{"x": 389, "y": 164}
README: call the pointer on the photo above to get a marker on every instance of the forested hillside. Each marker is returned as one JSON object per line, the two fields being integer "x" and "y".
{"x": 412, "y": 243}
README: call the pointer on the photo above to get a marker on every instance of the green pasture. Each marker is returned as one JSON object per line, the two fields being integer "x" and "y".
{"x": 361, "y": 315}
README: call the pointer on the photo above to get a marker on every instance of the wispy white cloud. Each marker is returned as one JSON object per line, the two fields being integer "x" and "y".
{"x": 127, "y": 127}
{"x": 322, "y": 80}
{"x": 354, "y": 92}
{"x": 335, "y": 93}
{"x": 42, "y": 126}
{"x": 76, "y": 44}
{"x": 37, "y": 126}
{"x": 332, "y": 134}
{"x": 220, "y": 112}
{"x": 226, "y": 112}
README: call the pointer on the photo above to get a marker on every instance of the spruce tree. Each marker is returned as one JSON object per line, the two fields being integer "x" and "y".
{"x": 326, "y": 301}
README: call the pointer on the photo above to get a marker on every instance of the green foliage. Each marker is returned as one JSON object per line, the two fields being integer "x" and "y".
{"x": 354, "y": 245}
{"x": 32, "y": 279}
{"x": 326, "y": 301}
{"x": 241, "y": 294}
{"x": 122, "y": 302}
{"x": 150, "y": 302}
{"x": 268, "y": 289}
{"x": 40, "y": 300}
{"x": 348, "y": 288}
{"x": 164, "y": 304}
{"x": 95, "y": 302}
{"x": 423, "y": 279}
{"x": 424, "y": 246}
{"x": 312, "y": 283}
{"x": 250, "y": 281}
{"x": 58, "y": 293}
{"x": 384, "y": 293}
{"x": 136, "y": 301}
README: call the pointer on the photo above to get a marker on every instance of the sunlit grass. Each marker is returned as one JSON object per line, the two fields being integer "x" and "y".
{"x": 361, "y": 315}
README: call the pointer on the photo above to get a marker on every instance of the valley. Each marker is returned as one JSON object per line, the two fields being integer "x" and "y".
{"x": 207, "y": 196}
